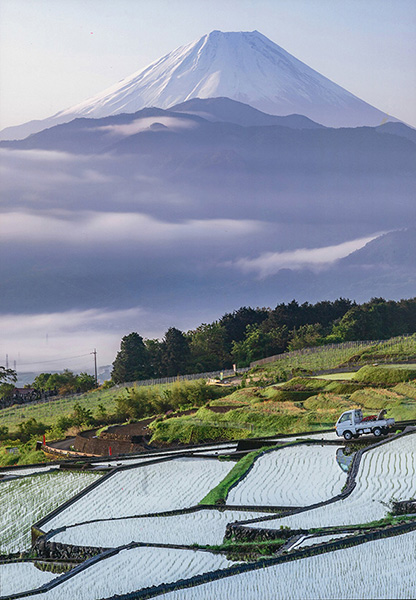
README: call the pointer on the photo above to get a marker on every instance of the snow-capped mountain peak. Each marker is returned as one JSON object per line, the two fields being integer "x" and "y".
{"x": 243, "y": 66}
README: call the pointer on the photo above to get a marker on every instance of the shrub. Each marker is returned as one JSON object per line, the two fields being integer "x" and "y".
{"x": 30, "y": 428}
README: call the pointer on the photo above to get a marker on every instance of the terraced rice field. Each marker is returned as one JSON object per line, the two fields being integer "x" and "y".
{"x": 324, "y": 436}
{"x": 202, "y": 527}
{"x": 116, "y": 513}
{"x": 21, "y": 577}
{"x": 174, "y": 484}
{"x": 29, "y": 471}
{"x": 210, "y": 450}
{"x": 133, "y": 569}
{"x": 25, "y": 500}
{"x": 375, "y": 570}
{"x": 292, "y": 476}
{"x": 386, "y": 472}
{"x": 318, "y": 539}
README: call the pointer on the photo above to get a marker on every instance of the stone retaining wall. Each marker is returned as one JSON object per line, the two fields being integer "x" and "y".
{"x": 101, "y": 447}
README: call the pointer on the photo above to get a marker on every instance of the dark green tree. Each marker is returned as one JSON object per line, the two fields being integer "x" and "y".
{"x": 209, "y": 348}
{"x": 154, "y": 348}
{"x": 235, "y": 323}
{"x": 31, "y": 427}
{"x": 132, "y": 361}
{"x": 6, "y": 390}
{"x": 65, "y": 382}
{"x": 41, "y": 381}
{"x": 7, "y": 375}
{"x": 305, "y": 336}
{"x": 258, "y": 344}
{"x": 85, "y": 382}
{"x": 175, "y": 353}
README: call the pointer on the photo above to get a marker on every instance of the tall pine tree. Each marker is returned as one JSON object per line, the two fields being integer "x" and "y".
{"x": 132, "y": 361}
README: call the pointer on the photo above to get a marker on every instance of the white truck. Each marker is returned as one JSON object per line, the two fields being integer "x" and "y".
{"x": 351, "y": 424}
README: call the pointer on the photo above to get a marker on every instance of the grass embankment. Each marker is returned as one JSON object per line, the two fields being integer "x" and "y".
{"x": 218, "y": 495}
{"x": 96, "y": 409}
{"x": 319, "y": 359}
{"x": 302, "y": 404}
{"x": 254, "y": 420}
{"x": 382, "y": 375}
{"x": 393, "y": 350}
{"x": 245, "y": 550}
{"x": 388, "y": 520}
{"x": 49, "y": 412}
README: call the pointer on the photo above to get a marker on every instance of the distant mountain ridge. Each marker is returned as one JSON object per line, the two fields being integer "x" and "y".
{"x": 197, "y": 130}
{"x": 243, "y": 66}
{"x": 232, "y": 111}
{"x": 393, "y": 249}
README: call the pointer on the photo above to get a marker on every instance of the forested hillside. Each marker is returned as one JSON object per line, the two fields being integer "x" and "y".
{"x": 249, "y": 334}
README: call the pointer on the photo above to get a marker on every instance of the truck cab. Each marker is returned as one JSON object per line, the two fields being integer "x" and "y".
{"x": 347, "y": 423}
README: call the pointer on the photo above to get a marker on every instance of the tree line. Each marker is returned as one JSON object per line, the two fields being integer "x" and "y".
{"x": 249, "y": 334}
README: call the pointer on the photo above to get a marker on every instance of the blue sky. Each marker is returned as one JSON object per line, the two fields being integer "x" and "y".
{"x": 56, "y": 54}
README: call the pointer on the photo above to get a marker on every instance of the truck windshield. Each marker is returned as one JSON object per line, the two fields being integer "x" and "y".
{"x": 346, "y": 417}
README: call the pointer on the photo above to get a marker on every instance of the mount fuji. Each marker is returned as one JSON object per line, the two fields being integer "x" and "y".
{"x": 243, "y": 66}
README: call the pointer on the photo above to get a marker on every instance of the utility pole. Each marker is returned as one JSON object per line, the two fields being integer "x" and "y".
{"x": 95, "y": 366}
{"x": 7, "y": 361}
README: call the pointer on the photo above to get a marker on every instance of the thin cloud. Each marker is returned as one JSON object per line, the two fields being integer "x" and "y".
{"x": 269, "y": 263}
{"x": 146, "y": 123}
{"x": 117, "y": 227}
{"x": 49, "y": 336}
{"x": 58, "y": 340}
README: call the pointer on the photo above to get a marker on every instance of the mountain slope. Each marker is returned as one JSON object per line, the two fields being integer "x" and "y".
{"x": 232, "y": 111}
{"x": 395, "y": 249}
{"x": 358, "y": 178}
{"x": 244, "y": 66}
{"x": 187, "y": 138}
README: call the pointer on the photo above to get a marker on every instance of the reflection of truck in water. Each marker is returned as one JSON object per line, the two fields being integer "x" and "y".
{"x": 344, "y": 460}
{"x": 352, "y": 424}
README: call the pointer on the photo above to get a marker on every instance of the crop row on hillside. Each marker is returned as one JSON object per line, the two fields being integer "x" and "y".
{"x": 386, "y": 472}
{"x": 293, "y": 476}
{"x": 295, "y": 472}
{"x": 173, "y": 484}
{"x": 325, "y": 357}
{"x": 203, "y": 527}
{"x": 133, "y": 569}
{"x": 378, "y": 569}
{"x": 26, "y": 500}
{"x": 21, "y": 577}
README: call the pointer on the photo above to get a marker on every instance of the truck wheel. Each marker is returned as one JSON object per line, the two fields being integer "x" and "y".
{"x": 347, "y": 435}
{"x": 377, "y": 431}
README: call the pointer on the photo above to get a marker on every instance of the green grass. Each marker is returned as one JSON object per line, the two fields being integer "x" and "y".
{"x": 388, "y": 520}
{"x": 336, "y": 376}
{"x": 257, "y": 420}
{"x": 328, "y": 402}
{"x": 302, "y": 403}
{"x": 322, "y": 359}
{"x": 326, "y": 357}
{"x": 218, "y": 495}
{"x": 389, "y": 351}
{"x": 385, "y": 375}
{"x": 49, "y": 412}
{"x": 406, "y": 389}
{"x": 235, "y": 550}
